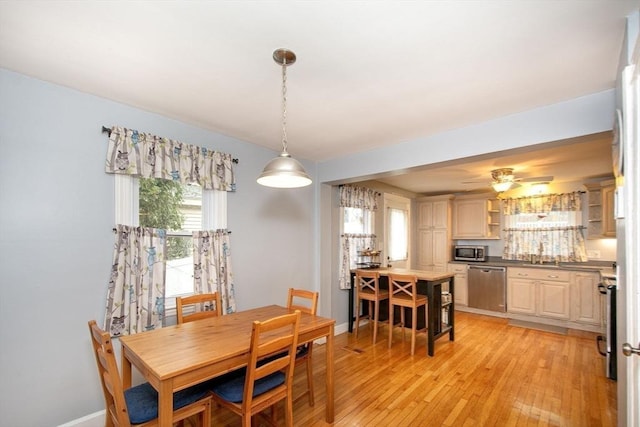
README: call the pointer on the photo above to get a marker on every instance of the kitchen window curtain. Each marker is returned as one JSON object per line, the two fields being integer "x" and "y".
{"x": 351, "y": 243}
{"x": 212, "y": 266}
{"x": 548, "y": 227}
{"x": 135, "y": 295}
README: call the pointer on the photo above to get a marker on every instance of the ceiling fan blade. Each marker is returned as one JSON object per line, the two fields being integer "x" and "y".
{"x": 548, "y": 178}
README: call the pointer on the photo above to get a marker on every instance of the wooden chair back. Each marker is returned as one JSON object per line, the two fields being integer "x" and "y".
{"x": 272, "y": 353}
{"x": 297, "y": 296}
{"x": 403, "y": 289}
{"x": 368, "y": 285}
{"x": 115, "y": 404}
{"x": 279, "y": 336}
{"x": 117, "y": 411}
{"x": 203, "y": 306}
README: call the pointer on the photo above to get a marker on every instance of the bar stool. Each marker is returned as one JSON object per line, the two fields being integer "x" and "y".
{"x": 368, "y": 289}
{"x": 403, "y": 293}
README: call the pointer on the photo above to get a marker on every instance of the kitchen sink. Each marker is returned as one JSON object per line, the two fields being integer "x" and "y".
{"x": 564, "y": 267}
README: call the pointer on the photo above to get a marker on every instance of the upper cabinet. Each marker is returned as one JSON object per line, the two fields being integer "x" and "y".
{"x": 600, "y": 208}
{"x": 476, "y": 218}
{"x": 433, "y": 233}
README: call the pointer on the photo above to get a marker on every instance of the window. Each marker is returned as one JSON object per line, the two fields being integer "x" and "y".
{"x": 544, "y": 228}
{"x": 178, "y": 208}
{"x": 357, "y": 221}
{"x": 398, "y": 232}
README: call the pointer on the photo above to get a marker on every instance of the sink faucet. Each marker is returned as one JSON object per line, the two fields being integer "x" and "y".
{"x": 540, "y": 252}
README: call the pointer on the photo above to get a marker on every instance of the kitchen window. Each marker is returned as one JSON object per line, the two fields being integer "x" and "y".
{"x": 544, "y": 228}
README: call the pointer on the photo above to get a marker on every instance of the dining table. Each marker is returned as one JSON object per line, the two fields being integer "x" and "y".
{"x": 175, "y": 357}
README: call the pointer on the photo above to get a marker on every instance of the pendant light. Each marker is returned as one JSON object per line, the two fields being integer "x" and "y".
{"x": 284, "y": 171}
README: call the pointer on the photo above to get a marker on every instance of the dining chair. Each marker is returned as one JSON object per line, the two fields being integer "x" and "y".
{"x": 403, "y": 293}
{"x": 306, "y": 302}
{"x": 203, "y": 305}
{"x": 267, "y": 379}
{"x": 368, "y": 289}
{"x": 139, "y": 405}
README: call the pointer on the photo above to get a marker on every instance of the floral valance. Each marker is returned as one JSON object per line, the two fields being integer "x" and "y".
{"x": 358, "y": 197}
{"x": 144, "y": 155}
{"x": 543, "y": 203}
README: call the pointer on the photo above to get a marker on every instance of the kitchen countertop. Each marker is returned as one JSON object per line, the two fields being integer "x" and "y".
{"x": 605, "y": 268}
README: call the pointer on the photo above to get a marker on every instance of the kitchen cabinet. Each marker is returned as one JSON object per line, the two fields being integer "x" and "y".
{"x": 433, "y": 233}
{"x": 588, "y": 302}
{"x": 461, "y": 282}
{"x": 475, "y": 218}
{"x": 539, "y": 292}
{"x": 521, "y": 296}
{"x": 601, "y": 221}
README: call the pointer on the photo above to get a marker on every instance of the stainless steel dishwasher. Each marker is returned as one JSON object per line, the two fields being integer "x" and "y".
{"x": 487, "y": 288}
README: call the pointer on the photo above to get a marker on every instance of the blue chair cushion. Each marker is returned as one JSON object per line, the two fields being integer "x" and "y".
{"x": 142, "y": 401}
{"x": 231, "y": 387}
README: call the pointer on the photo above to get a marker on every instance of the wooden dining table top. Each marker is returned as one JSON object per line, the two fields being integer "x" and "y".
{"x": 175, "y": 350}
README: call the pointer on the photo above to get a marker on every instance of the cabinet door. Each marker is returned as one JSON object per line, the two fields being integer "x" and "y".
{"x": 425, "y": 215}
{"x": 462, "y": 289}
{"x": 461, "y": 283}
{"x": 588, "y": 300}
{"x": 553, "y": 299}
{"x": 608, "y": 217}
{"x": 440, "y": 212}
{"x": 425, "y": 249}
{"x": 470, "y": 218}
{"x": 521, "y": 296}
{"x": 441, "y": 249}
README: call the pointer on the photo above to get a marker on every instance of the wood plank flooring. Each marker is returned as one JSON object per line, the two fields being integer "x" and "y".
{"x": 493, "y": 374}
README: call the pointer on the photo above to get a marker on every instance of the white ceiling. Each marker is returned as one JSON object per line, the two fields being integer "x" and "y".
{"x": 369, "y": 74}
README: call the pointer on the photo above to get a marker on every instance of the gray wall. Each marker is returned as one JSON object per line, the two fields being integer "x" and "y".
{"x": 55, "y": 240}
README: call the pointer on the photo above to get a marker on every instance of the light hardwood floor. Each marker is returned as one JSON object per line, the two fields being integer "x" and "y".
{"x": 493, "y": 374}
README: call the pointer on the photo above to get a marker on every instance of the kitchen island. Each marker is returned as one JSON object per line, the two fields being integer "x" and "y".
{"x": 440, "y": 314}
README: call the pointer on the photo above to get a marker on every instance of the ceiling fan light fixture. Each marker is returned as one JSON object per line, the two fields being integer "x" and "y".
{"x": 284, "y": 171}
{"x": 501, "y": 186}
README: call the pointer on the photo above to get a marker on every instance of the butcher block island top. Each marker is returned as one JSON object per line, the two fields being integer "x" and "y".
{"x": 440, "y": 311}
{"x": 426, "y": 275}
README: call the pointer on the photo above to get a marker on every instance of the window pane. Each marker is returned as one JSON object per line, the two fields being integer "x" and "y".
{"x": 358, "y": 221}
{"x": 398, "y": 233}
{"x": 176, "y": 208}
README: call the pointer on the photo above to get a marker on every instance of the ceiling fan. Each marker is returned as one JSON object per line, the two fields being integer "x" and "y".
{"x": 504, "y": 179}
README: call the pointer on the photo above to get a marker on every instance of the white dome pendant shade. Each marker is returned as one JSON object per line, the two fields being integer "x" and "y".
{"x": 284, "y": 171}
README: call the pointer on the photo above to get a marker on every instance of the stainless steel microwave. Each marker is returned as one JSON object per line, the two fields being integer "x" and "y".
{"x": 470, "y": 253}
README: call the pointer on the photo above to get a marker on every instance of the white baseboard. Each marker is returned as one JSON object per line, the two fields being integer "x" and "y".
{"x": 92, "y": 420}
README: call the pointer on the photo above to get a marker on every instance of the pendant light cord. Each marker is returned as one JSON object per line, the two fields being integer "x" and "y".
{"x": 284, "y": 105}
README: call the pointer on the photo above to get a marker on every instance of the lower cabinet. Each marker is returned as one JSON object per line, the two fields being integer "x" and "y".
{"x": 521, "y": 296}
{"x": 461, "y": 283}
{"x": 571, "y": 298}
{"x": 588, "y": 304}
{"x": 554, "y": 299}
{"x": 539, "y": 292}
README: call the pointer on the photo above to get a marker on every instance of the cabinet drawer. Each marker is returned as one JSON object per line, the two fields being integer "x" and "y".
{"x": 538, "y": 274}
{"x": 458, "y": 268}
